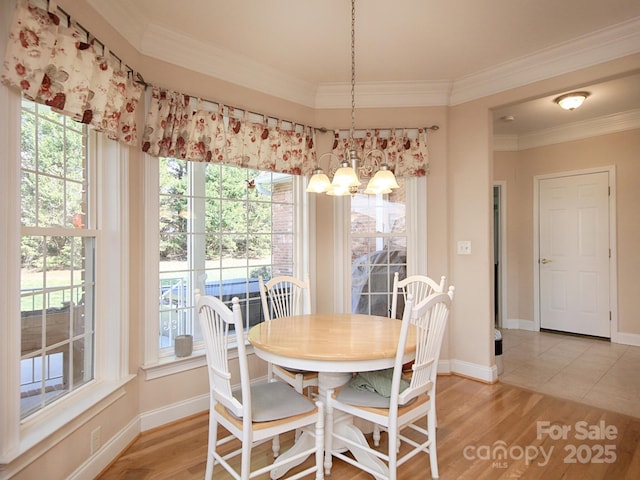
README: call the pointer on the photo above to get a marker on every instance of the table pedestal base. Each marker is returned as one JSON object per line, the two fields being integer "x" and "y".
{"x": 342, "y": 425}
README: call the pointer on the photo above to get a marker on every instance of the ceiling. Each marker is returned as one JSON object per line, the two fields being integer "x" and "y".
{"x": 408, "y": 52}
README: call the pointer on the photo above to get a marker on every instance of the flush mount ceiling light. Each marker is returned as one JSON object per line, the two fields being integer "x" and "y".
{"x": 571, "y": 101}
{"x": 345, "y": 181}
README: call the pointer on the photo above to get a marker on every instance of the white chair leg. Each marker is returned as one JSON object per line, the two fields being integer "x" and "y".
{"x": 320, "y": 441}
{"x": 393, "y": 454}
{"x": 245, "y": 464}
{"x": 328, "y": 437}
{"x": 275, "y": 446}
{"x": 433, "y": 453}
{"x": 376, "y": 435}
{"x": 213, "y": 439}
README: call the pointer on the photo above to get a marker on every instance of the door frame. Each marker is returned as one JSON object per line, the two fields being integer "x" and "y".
{"x": 613, "y": 262}
{"x": 502, "y": 283}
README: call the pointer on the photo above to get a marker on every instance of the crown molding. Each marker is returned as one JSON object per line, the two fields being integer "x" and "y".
{"x": 384, "y": 94}
{"x": 158, "y": 42}
{"x": 126, "y": 18}
{"x": 604, "y": 45}
{"x": 618, "y": 122}
{"x": 184, "y": 51}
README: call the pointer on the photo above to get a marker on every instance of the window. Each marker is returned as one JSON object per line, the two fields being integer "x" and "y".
{"x": 57, "y": 258}
{"x": 64, "y": 301}
{"x": 220, "y": 227}
{"x": 380, "y": 244}
{"x": 378, "y": 249}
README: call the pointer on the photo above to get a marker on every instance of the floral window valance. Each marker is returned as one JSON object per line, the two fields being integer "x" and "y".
{"x": 58, "y": 66}
{"x": 62, "y": 67}
{"x": 193, "y": 129}
{"x": 405, "y": 150}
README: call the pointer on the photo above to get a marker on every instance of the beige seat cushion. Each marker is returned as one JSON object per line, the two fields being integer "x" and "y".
{"x": 275, "y": 400}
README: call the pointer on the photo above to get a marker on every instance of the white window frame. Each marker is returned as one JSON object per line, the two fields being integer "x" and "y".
{"x": 416, "y": 226}
{"x": 157, "y": 365}
{"x": 111, "y": 292}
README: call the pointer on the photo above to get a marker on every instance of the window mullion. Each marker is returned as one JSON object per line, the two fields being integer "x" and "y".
{"x": 151, "y": 266}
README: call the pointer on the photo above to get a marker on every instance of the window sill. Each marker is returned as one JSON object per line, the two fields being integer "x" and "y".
{"x": 171, "y": 365}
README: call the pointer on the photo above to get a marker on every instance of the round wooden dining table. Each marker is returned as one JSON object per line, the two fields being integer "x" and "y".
{"x": 335, "y": 345}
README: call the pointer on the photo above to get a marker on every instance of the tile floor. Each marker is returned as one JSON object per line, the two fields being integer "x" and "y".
{"x": 591, "y": 371}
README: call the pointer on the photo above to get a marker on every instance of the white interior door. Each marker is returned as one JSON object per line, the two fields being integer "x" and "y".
{"x": 574, "y": 254}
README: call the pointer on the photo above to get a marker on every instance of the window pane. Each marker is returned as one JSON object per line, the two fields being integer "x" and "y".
{"x": 378, "y": 249}
{"x": 50, "y": 147}
{"x": 225, "y": 242}
{"x": 28, "y": 140}
{"x": 28, "y": 191}
{"x": 57, "y": 271}
{"x": 82, "y": 360}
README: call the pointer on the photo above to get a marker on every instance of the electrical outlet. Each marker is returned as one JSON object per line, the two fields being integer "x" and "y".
{"x": 95, "y": 440}
{"x": 464, "y": 247}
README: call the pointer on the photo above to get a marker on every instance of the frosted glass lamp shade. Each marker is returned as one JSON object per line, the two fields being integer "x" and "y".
{"x": 319, "y": 182}
{"x": 384, "y": 178}
{"x": 345, "y": 177}
{"x": 571, "y": 101}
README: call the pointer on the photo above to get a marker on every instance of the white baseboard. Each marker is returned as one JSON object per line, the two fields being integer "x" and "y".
{"x": 444, "y": 367}
{"x": 623, "y": 338}
{"x": 626, "y": 338}
{"x": 100, "y": 460}
{"x": 174, "y": 412}
{"x": 473, "y": 370}
{"x": 519, "y": 324}
{"x": 95, "y": 464}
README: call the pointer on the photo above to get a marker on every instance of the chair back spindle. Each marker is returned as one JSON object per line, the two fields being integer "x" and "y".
{"x": 418, "y": 286}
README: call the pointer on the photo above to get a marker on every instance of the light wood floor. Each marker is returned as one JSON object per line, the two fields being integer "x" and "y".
{"x": 474, "y": 421}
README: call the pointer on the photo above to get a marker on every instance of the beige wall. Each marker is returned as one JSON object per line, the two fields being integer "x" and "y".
{"x": 470, "y": 210}
{"x": 459, "y": 208}
{"x": 518, "y": 169}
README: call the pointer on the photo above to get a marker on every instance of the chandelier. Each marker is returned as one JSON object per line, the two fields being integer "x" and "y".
{"x": 345, "y": 180}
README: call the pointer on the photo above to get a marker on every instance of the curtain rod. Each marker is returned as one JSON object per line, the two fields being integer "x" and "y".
{"x": 92, "y": 38}
{"x": 432, "y": 127}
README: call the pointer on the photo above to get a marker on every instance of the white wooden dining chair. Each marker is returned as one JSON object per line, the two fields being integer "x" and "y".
{"x": 253, "y": 413}
{"x": 420, "y": 286}
{"x": 284, "y": 296}
{"x": 403, "y": 409}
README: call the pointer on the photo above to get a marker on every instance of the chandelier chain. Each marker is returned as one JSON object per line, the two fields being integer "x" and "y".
{"x": 345, "y": 180}
{"x": 353, "y": 73}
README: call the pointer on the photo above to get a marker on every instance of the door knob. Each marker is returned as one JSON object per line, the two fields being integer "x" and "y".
{"x": 544, "y": 261}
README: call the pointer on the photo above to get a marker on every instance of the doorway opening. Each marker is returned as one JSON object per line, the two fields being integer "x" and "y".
{"x": 499, "y": 254}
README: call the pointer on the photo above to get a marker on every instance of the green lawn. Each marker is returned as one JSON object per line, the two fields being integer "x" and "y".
{"x": 31, "y": 279}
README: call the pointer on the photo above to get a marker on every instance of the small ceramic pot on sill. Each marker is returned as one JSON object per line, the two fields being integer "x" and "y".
{"x": 183, "y": 346}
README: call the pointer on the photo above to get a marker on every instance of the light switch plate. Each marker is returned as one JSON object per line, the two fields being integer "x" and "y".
{"x": 464, "y": 247}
